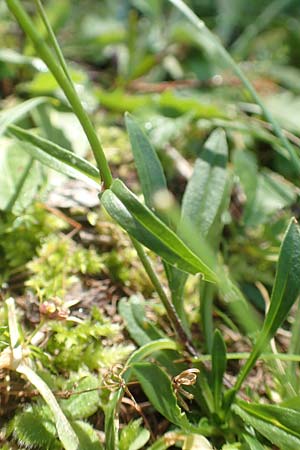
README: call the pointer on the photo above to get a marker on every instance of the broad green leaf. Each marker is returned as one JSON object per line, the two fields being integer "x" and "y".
{"x": 253, "y": 443}
{"x": 285, "y": 292}
{"x": 148, "y": 229}
{"x": 204, "y": 193}
{"x": 111, "y": 411}
{"x": 279, "y": 425}
{"x": 158, "y": 388}
{"x": 292, "y": 403}
{"x": 219, "y": 361}
{"x": 149, "y": 168}
{"x": 34, "y": 427}
{"x": 56, "y": 157}
{"x": 21, "y": 177}
{"x": 16, "y": 113}
{"x": 85, "y": 400}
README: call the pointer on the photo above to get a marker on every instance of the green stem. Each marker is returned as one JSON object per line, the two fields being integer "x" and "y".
{"x": 53, "y": 39}
{"x": 46, "y": 54}
{"x": 171, "y": 312}
{"x": 201, "y": 27}
{"x": 245, "y": 355}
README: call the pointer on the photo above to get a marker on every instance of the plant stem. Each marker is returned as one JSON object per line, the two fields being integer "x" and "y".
{"x": 53, "y": 39}
{"x": 171, "y": 312}
{"x": 59, "y": 74}
{"x": 201, "y": 27}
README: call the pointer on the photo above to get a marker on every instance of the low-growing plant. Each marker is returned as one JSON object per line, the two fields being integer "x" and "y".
{"x": 187, "y": 238}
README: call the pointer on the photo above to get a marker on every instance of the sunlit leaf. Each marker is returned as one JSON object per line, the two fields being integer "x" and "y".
{"x": 143, "y": 225}
{"x": 279, "y": 425}
{"x": 55, "y": 155}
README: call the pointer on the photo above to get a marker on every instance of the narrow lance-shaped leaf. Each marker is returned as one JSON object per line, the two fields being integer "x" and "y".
{"x": 149, "y": 168}
{"x": 16, "y": 113}
{"x": 55, "y": 156}
{"x": 205, "y": 198}
{"x": 279, "y": 425}
{"x": 252, "y": 442}
{"x": 148, "y": 229}
{"x": 158, "y": 387}
{"x": 218, "y": 367}
{"x": 204, "y": 193}
{"x": 152, "y": 179}
{"x": 285, "y": 292}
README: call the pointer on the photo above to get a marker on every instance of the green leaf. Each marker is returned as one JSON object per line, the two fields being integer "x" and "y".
{"x": 142, "y": 224}
{"x": 82, "y": 405}
{"x": 158, "y": 387}
{"x": 133, "y": 437}
{"x": 35, "y": 427}
{"x": 21, "y": 177}
{"x": 149, "y": 168}
{"x": 153, "y": 180}
{"x": 245, "y": 166}
{"x": 139, "y": 327}
{"x": 285, "y": 292}
{"x": 16, "y": 113}
{"x": 88, "y": 438}
{"x": 56, "y": 157}
{"x": 253, "y": 443}
{"x": 279, "y": 425}
{"x": 204, "y": 193}
{"x": 219, "y": 363}
{"x": 204, "y": 200}
{"x": 65, "y": 432}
